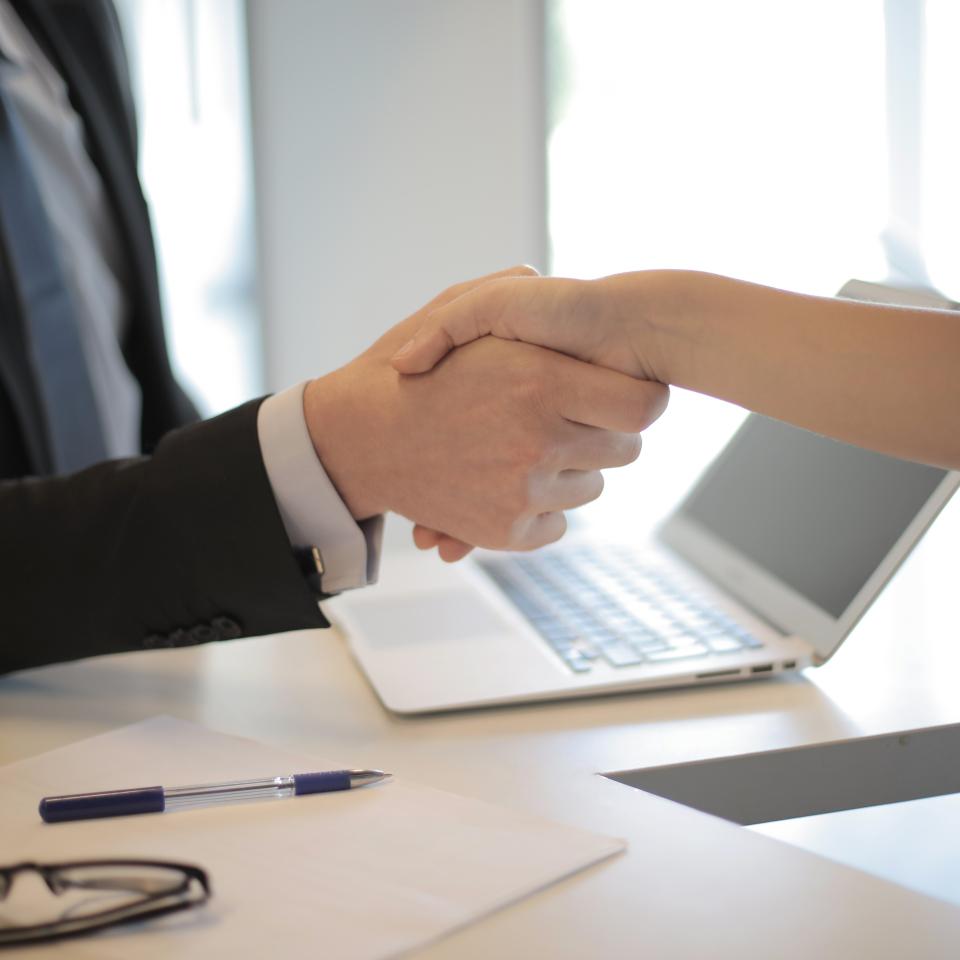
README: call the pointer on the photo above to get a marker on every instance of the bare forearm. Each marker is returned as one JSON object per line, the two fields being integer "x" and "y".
{"x": 883, "y": 377}
{"x": 887, "y": 378}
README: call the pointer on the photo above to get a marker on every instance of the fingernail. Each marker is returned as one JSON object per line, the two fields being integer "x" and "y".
{"x": 404, "y": 350}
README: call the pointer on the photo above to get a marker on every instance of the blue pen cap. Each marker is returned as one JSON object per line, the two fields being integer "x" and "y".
{"x": 113, "y": 803}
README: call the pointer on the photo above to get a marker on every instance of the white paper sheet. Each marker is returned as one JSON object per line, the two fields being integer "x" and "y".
{"x": 373, "y": 872}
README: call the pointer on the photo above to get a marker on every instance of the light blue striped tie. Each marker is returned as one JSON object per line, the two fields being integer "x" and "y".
{"x": 73, "y": 422}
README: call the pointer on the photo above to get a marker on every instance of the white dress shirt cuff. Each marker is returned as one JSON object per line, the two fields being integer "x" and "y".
{"x": 312, "y": 511}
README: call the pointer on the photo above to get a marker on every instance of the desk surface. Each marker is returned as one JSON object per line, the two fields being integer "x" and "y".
{"x": 690, "y": 885}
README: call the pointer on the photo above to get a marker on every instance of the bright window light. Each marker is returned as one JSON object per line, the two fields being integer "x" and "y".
{"x": 746, "y": 138}
{"x": 188, "y": 60}
{"x": 941, "y": 180}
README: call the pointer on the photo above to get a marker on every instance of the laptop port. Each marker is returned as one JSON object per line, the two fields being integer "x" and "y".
{"x": 789, "y": 664}
{"x": 713, "y": 674}
{"x": 764, "y": 668}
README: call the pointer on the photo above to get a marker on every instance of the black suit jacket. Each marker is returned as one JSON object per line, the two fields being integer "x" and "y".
{"x": 180, "y": 546}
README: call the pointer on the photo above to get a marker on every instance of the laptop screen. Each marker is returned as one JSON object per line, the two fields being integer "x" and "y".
{"x": 817, "y": 514}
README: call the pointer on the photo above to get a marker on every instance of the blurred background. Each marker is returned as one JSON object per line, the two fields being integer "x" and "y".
{"x": 318, "y": 169}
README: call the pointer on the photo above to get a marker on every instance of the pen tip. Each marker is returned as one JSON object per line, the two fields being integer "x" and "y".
{"x": 363, "y": 778}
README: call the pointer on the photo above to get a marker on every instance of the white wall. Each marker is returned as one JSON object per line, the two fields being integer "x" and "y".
{"x": 189, "y": 67}
{"x": 398, "y": 148}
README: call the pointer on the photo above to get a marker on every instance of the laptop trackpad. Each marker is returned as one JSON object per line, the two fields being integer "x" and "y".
{"x": 443, "y": 616}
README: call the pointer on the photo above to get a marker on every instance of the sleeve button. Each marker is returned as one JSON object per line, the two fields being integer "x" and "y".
{"x": 202, "y": 633}
{"x": 226, "y": 628}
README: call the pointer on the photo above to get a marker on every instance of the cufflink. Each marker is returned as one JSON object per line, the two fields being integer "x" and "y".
{"x": 226, "y": 628}
{"x": 310, "y": 562}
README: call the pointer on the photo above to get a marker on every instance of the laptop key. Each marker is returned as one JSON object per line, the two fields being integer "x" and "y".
{"x": 677, "y": 653}
{"x": 652, "y": 646}
{"x": 586, "y": 650}
{"x": 621, "y": 655}
{"x": 724, "y": 644}
{"x": 577, "y": 663}
{"x": 685, "y": 639}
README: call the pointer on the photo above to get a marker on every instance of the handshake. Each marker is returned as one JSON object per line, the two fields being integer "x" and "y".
{"x": 485, "y": 440}
{"x": 489, "y": 445}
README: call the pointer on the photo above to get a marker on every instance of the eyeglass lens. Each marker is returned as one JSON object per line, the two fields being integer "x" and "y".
{"x": 90, "y": 895}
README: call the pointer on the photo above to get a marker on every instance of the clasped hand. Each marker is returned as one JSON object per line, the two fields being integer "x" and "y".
{"x": 487, "y": 449}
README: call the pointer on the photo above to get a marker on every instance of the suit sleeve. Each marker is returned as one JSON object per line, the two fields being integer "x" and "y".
{"x": 181, "y": 547}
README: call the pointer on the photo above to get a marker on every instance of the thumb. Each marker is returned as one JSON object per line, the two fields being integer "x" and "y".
{"x": 513, "y": 308}
{"x": 428, "y": 346}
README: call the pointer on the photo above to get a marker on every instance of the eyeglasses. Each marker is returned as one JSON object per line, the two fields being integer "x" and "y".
{"x": 98, "y": 894}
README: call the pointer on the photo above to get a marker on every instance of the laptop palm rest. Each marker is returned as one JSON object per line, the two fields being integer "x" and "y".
{"x": 444, "y": 616}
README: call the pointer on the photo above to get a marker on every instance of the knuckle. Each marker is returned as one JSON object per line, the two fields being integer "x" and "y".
{"x": 514, "y": 533}
{"x": 587, "y": 489}
{"x": 638, "y": 418}
{"x": 516, "y": 504}
{"x": 652, "y": 401}
{"x": 557, "y": 527}
{"x": 537, "y": 368}
{"x": 536, "y": 389}
{"x": 521, "y": 503}
{"x": 632, "y": 447}
{"x": 638, "y": 421}
{"x": 496, "y": 540}
{"x": 492, "y": 531}
{"x": 547, "y": 528}
{"x": 554, "y": 453}
{"x": 457, "y": 290}
{"x": 533, "y": 450}
{"x": 595, "y": 486}
{"x": 524, "y": 270}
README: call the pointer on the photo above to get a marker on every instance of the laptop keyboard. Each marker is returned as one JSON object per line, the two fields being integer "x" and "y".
{"x": 592, "y": 607}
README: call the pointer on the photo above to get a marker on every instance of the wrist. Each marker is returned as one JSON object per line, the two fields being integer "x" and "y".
{"x": 662, "y": 313}
{"x": 343, "y": 434}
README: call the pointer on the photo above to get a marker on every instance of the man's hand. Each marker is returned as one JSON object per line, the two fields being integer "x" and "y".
{"x": 490, "y": 448}
{"x": 581, "y": 318}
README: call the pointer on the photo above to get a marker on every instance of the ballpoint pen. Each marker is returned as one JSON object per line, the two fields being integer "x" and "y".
{"x": 120, "y": 803}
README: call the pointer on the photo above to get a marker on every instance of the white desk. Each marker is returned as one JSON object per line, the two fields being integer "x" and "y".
{"x": 691, "y": 886}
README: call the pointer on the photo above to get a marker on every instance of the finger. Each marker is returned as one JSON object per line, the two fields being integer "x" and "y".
{"x": 571, "y": 489}
{"x": 425, "y": 538}
{"x": 543, "y": 529}
{"x": 591, "y": 448}
{"x": 452, "y": 550}
{"x": 465, "y": 286}
{"x": 538, "y": 310}
{"x": 400, "y": 334}
{"x": 604, "y": 398}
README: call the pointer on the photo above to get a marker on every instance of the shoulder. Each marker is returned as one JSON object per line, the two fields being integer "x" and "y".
{"x": 88, "y": 33}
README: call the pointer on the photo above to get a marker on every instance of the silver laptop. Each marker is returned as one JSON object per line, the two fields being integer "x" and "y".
{"x": 765, "y": 567}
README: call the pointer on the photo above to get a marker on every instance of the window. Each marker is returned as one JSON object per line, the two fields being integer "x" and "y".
{"x": 752, "y": 139}
{"x": 188, "y": 61}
